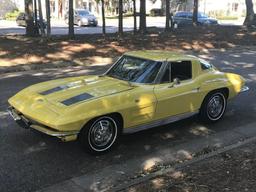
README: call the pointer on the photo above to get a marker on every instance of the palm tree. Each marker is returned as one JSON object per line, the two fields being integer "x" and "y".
{"x": 48, "y": 17}
{"x": 103, "y": 17}
{"x": 35, "y": 18}
{"x": 29, "y": 18}
{"x": 167, "y": 12}
{"x": 120, "y": 17}
{"x": 71, "y": 19}
{"x": 134, "y": 17}
{"x": 142, "y": 16}
{"x": 195, "y": 13}
{"x": 250, "y": 18}
{"x": 41, "y": 23}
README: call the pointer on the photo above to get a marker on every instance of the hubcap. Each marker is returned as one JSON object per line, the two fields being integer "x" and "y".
{"x": 215, "y": 106}
{"x": 102, "y": 134}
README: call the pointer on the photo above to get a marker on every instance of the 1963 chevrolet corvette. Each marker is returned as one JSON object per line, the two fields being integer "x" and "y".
{"x": 143, "y": 89}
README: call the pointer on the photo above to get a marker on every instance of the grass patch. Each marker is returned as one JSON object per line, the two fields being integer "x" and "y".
{"x": 227, "y": 17}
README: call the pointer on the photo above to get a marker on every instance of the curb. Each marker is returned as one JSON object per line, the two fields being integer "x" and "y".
{"x": 184, "y": 164}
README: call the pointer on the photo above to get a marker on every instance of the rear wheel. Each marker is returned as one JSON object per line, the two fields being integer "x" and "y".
{"x": 213, "y": 107}
{"x": 100, "y": 135}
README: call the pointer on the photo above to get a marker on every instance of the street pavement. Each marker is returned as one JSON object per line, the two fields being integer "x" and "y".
{"x": 59, "y": 27}
{"x": 32, "y": 161}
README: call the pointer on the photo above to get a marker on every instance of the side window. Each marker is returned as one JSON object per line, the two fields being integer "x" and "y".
{"x": 181, "y": 70}
{"x": 205, "y": 65}
{"x": 149, "y": 75}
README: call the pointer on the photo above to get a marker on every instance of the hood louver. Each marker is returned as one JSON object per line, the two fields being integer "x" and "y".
{"x": 76, "y": 99}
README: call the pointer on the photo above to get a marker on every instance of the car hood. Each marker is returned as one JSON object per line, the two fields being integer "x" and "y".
{"x": 88, "y": 16}
{"x": 61, "y": 94}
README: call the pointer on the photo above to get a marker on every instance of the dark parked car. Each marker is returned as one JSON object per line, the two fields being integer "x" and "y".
{"x": 83, "y": 17}
{"x": 21, "y": 20}
{"x": 184, "y": 18}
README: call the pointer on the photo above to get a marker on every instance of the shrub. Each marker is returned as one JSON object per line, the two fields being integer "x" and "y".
{"x": 12, "y": 15}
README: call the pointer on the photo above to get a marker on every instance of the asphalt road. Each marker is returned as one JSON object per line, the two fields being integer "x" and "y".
{"x": 31, "y": 161}
{"x": 59, "y": 27}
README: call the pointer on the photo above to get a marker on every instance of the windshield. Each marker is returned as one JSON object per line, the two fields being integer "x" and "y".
{"x": 134, "y": 69}
{"x": 83, "y": 12}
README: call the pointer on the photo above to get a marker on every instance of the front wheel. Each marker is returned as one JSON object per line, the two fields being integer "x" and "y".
{"x": 100, "y": 135}
{"x": 213, "y": 107}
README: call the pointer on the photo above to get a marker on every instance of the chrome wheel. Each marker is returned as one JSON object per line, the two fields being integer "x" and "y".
{"x": 216, "y": 106}
{"x": 102, "y": 134}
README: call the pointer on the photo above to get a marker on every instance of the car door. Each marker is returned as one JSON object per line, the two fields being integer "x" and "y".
{"x": 142, "y": 105}
{"x": 177, "y": 92}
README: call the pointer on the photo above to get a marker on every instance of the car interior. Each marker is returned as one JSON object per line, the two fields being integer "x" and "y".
{"x": 181, "y": 70}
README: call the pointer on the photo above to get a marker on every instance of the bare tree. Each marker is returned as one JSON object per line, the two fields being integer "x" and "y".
{"x": 167, "y": 17}
{"x": 142, "y": 28}
{"x": 71, "y": 19}
{"x": 250, "y": 18}
{"x": 195, "y": 13}
{"x": 48, "y": 17}
{"x": 134, "y": 17}
{"x": 120, "y": 17}
{"x": 29, "y": 18}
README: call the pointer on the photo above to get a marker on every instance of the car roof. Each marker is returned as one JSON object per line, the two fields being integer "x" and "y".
{"x": 159, "y": 55}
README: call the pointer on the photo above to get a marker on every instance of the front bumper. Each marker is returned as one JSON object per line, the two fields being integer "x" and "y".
{"x": 26, "y": 123}
{"x": 89, "y": 22}
{"x": 244, "y": 89}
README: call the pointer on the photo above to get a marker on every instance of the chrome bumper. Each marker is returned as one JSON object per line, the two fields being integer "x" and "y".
{"x": 24, "y": 122}
{"x": 244, "y": 89}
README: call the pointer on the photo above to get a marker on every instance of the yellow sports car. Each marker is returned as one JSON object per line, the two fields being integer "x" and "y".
{"x": 143, "y": 89}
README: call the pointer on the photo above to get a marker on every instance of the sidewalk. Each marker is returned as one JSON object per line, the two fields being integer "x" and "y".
{"x": 233, "y": 170}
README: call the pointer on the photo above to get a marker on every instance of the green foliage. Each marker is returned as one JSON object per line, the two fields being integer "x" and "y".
{"x": 12, "y": 15}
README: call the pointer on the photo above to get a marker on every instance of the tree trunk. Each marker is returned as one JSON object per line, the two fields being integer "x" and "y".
{"x": 103, "y": 17}
{"x": 41, "y": 23}
{"x": 48, "y": 18}
{"x": 36, "y": 18}
{"x": 250, "y": 18}
{"x": 71, "y": 19}
{"x": 134, "y": 17}
{"x": 142, "y": 16}
{"x": 195, "y": 13}
{"x": 120, "y": 17}
{"x": 29, "y": 18}
{"x": 167, "y": 17}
